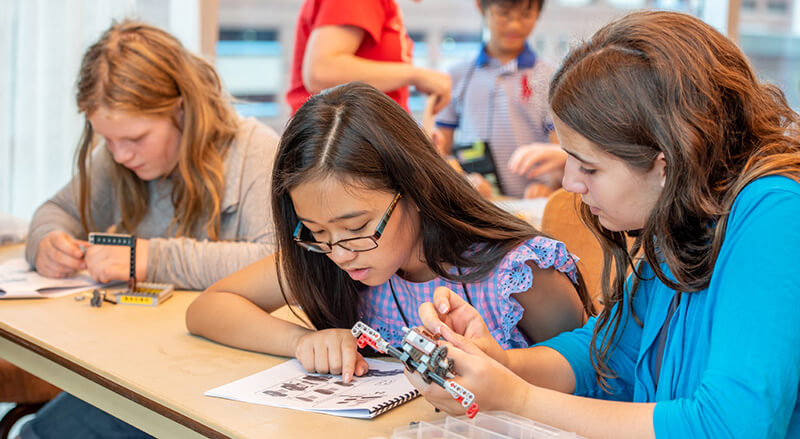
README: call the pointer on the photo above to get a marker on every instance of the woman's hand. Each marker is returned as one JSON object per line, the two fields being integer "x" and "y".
{"x": 458, "y": 321}
{"x": 331, "y": 351}
{"x": 60, "y": 255}
{"x": 494, "y": 386}
{"x": 108, "y": 263}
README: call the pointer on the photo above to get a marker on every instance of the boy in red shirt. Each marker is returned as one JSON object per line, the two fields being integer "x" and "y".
{"x": 339, "y": 41}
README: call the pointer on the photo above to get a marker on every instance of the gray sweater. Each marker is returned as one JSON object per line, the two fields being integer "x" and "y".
{"x": 246, "y": 232}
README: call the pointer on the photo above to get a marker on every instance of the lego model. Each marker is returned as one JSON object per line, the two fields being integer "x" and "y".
{"x": 145, "y": 293}
{"x": 421, "y": 353}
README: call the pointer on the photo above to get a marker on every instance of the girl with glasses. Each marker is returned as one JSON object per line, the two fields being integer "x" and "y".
{"x": 372, "y": 220}
{"x": 670, "y": 136}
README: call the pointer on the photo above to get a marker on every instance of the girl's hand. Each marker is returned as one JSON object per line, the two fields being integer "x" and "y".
{"x": 331, "y": 351}
{"x": 538, "y": 160}
{"x": 494, "y": 386}
{"x": 60, "y": 255}
{"x": 457, "y": 320}
{"x": 107, "y": 263}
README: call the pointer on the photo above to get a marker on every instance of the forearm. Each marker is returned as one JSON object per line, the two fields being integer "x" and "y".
{"x": 193, "y": 264}
{"x": 233, "y": 320}
{"x": 542, "y": 366}
{"x": 342, "y": 68}
{"x": 47, "y": 218}
{"x": 444, "y": 140}
{"x": 62, "y": 211}
{"x": 588, "y": 417}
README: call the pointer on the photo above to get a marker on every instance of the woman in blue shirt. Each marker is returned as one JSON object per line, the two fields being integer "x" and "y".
{"x": 673, "y": 141}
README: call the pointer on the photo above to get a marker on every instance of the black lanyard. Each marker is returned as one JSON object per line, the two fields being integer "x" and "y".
{"x": 400, "y": 309}
{"x": 460, "y": 101}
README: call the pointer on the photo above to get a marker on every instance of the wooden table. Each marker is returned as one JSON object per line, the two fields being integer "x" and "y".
{"x": 141, "y": 365}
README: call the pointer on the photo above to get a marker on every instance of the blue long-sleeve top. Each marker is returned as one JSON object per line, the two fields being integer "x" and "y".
{"x": 731, "y": 362}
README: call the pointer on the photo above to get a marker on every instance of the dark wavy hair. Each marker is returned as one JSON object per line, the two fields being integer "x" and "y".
{"x": 356, "y": 134}
{"x": 538, "y": 4}
{"x": 664, "y": 82}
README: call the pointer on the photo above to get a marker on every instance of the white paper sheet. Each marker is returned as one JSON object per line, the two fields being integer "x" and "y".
{"x": 18, "y": 281}
{"x": 289, "y": 385}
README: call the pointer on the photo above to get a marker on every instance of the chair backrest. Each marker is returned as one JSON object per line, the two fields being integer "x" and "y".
{"x": 561, "y": 221}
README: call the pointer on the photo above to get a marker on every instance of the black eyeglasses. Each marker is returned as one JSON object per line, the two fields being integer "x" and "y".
{"x": 357, "y": 244}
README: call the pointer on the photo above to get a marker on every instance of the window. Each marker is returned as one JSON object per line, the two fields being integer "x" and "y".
{"x": 250, "y": 65}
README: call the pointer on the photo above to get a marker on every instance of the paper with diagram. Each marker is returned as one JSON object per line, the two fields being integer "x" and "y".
{"x": 288, "y": 385}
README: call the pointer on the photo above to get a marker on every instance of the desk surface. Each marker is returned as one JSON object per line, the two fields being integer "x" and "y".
{"x": 141, "y": 364}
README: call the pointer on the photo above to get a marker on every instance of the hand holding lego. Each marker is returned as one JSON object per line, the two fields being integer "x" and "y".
{"x": 456, "y": 320}
{"x": 60, "y": 255}
{"x": 331, "y": 351}
{"x": 107, "y": 263}
{"x": 493, "y": 385}
{"x": 539, "y": 161}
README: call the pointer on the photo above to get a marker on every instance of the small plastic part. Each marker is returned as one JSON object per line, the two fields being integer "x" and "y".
{"x": 97, "y": 299}
{"x": 119, "y": 239}
{"x": 143, "y": 293}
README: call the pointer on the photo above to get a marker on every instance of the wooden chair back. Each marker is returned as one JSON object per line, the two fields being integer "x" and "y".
{"x": 561, "y": 221}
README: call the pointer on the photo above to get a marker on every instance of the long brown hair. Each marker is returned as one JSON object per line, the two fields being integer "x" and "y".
{"x": 355, "y": 133}
{"x": 139, "y": 69}
{"x": 665, "y": 82}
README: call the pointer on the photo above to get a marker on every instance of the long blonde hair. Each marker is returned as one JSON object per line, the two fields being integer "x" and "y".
{"x": 139, "y": 69}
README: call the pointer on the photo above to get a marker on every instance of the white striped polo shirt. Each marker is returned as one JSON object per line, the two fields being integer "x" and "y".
{"x": 504, "y": 104}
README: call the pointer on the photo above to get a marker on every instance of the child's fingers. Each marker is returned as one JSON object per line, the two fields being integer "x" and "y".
{"x": 440, "y": 103}
{"x": 429, "y": 113}
{"x": 453, "y": 337}
{"x": 460, "y": 342}
{"x": 305, "y": 355}
{"x": 67, "y": 245}
{"x": 463, "y": 354}
{"x": 520, "y": 159}
{"x": 82, "y": 245}
{"x": 446, "y": 301}
{"x": 66, "y": 261}
{"x": 321, "y": 358}
{"x": 347, "y": 363}
{"x": 362, "y": 366}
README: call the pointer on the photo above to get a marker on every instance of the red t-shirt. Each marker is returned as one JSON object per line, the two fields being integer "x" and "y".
{"x": 385, "y": 38}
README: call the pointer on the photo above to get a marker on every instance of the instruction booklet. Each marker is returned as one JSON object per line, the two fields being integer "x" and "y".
{"x": 19, "y": 281}
{"x": 288, "y": 385}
